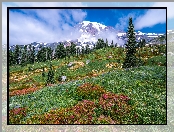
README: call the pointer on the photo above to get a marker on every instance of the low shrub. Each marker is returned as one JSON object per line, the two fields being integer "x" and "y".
{"x": 89, "y": 91}
{"x": 115, "y": 106}
{"x": 157, "y": 60}
{"x": 16, "y": 115}
{"x": 81, "y": 113}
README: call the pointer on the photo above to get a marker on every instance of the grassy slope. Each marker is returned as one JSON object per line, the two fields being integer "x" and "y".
{"x": 146, "y": 86}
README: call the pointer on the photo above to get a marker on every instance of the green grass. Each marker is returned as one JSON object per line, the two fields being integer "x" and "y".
{"x": 145, "y": 86}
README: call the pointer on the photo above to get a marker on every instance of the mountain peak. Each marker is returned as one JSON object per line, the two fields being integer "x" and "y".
{"x": 96, "y": 25}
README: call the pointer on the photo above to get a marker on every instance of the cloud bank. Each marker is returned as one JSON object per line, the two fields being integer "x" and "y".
{"x": 111, "y": 36}
{"x": 40, "y": 25}
{"x": 150, "y": 18}
{"x": 48, "y": 25}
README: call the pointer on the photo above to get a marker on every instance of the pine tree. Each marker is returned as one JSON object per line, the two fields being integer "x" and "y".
{"x": 87, "y": 50}
{"x": 24, "y": 56}
{"x": 78, "y": 51}
{"x": 97, "y": 46}
{"x": 130, "y": 60}
{"x": 17, "y": 54}
{"x": 116, "y": 45}
{"x": 112, "y": 44}
{"x": 29, "y": 54}
{"x": 43, "y": 72}
{"x": 63, "y": 50}
{"x": 11, "y": 58}
{"x": 49, "y": 53}
{"x": 50, "y": 76}
{"x": 83, "y": 50}
{"x": 57, "y": 52}
{"x": 106, "y": 43}
{"x": 73, "y": 49}
{"x": 41, "y": 55}
{"x": 102, "y": 43}
{"x": 60, "y": 51}
{"x": 33, "y": 55}
{"x": 68, "y": 51}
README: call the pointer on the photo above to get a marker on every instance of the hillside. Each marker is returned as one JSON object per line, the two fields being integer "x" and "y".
{"x": 93, "y": 83}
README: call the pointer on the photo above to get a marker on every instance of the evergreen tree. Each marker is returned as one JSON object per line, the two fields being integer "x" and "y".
{"x": 11, "y": 58}
{"x": 130, "y": 60}
{"x": 24, "y": 56}
{"x": 41, "y": 55}
{"x": 50, "y": 76}
{"x": 73, "y": 49}
{"x": 57, "y": 52}
{"x": 68, "y": 51}
{"x": 17, "y": 54}
{"x": 29, "y": 54}
{"x": 63, "y": 51}
{"x": 49, "y": 53}
{"x": 83, "y": 50}
{"x": 87, "y": 50}
{"x": 106, "y": 43}
{"x": 78, "y": 51}
{"x": 116, "y": 45}
{"x": 98, "y": 45}
{"x": 60, "y": 51}
{"x": 33, "y": 55}
{"x": 112, "y": 44}
{"x": 102, "y": 43}
{"x": 43, "y": 72}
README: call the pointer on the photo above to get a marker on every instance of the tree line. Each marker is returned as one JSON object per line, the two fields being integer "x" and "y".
{"x": 27, "y": 54}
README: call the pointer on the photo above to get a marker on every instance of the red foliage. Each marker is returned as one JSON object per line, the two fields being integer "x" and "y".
{"x": 23, "y": 91}
{"x": 15, "y": 115}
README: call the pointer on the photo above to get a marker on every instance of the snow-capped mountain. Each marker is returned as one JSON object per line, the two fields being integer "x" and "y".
{"x": 91, "y": 31}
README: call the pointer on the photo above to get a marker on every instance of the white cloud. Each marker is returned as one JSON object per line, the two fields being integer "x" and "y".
{"x": 76, "y": 17}
{"x": 111, "y": 36}
{"x": 49, "y": 26}
{"x": 151, "y": 18}
{"x": 25, "y": 29}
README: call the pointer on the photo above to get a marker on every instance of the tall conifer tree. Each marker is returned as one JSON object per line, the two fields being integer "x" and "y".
{"x": 130, "y": 60}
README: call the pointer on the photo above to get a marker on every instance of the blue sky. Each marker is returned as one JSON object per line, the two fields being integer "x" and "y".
{"x": 112, "y": 18}
{"x": 108, "y": 17}
{"x": 53, "y": 25}
{"x": 50, "y": 26}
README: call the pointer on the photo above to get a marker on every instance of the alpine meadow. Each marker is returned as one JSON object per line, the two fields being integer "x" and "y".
{"x": 100, "y": 83}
